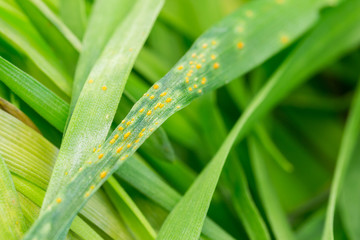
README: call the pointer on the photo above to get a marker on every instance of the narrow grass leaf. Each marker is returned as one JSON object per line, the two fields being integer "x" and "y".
{"x": 15, "y": 28}
{"x": 98, "y": 32}
{"x": 62, "y": 40}
{"x": 30, "y": 156}
{"x": 31, "y": 209}
{"x": 185, "y": 223}
{"x": 349, "y": 208}
{"x": 97, "y": 104}
{"x": 144, "y": 179}
{"x": 347, "y": 147}
{"x": 17, "y": 113}
{"x": 174, "y": 93}
{"x": 132, "y": 215}
{"x": 43, "y": 101}
{"x": 73, "y": 14}
{"x": 241, "y": 97}
{"x": 233, "y": 176}
{"x": 12, "y": 219}
{"x": 273, "y": 209}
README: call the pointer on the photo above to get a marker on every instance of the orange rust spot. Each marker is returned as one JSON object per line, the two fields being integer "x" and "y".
{"x": 103, "y": 174}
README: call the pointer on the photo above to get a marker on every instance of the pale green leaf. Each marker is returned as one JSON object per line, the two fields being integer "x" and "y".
{"x": 99, "y": 98}
{"x": 226, "y": 48}
{"x": 30, "y": 156}
{"x": 133, "y": 217}
{"x": 12, "y": 222}
{"x": 73, "y": 13}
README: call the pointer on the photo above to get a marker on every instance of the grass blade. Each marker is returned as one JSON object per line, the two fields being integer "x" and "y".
{"x": 12, "y": 110}
{"x": 136, "y": 221}
{"x": 96, "y": 37}
{"x": 16, "y": 30}
{"x": 233, "y": 175}
{"x": 62, "y": 40}
{"x": 241, "y": 97}
{"x": 12, "y": 220}
{"x": 185, "y": 223}
{"x": 43, "y": 101}
{"x": 73, "y": 13}
{"x": 347, "y": 147}
{"x": 228, "y": 52}
{"x": 15, "y": 138}
{"x": 97, "y": 105}
{"x": 348, "y": 199}
{"x": 40, "y": 14}
{"x": 31, "y": 157}
{"x": 273, "y": 209}
{"x": 140, "y": 176}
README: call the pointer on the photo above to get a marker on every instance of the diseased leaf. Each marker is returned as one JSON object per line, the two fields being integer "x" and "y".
{"x": 95, "y": 109}
{"x": 30, "y": 156}
{"x": 104, "y": 19}
{"x": 173, "y": 91}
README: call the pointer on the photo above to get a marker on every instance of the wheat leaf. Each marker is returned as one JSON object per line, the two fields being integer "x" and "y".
{"x": 18, "y": 31}
{"x": 12, "y": 220}
{"x": 233, "y": 45}
{"x": 97, "y": 104}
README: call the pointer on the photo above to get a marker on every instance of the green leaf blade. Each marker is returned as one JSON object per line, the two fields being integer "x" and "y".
{"x": 12, "y": 220}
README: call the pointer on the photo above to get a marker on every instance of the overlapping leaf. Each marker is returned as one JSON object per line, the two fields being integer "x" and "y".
{"x": 174, "y": 92}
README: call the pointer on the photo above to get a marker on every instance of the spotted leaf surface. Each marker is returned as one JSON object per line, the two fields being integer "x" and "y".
{"x": 226, "y": 51}
{"x": 95, "y": 109}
